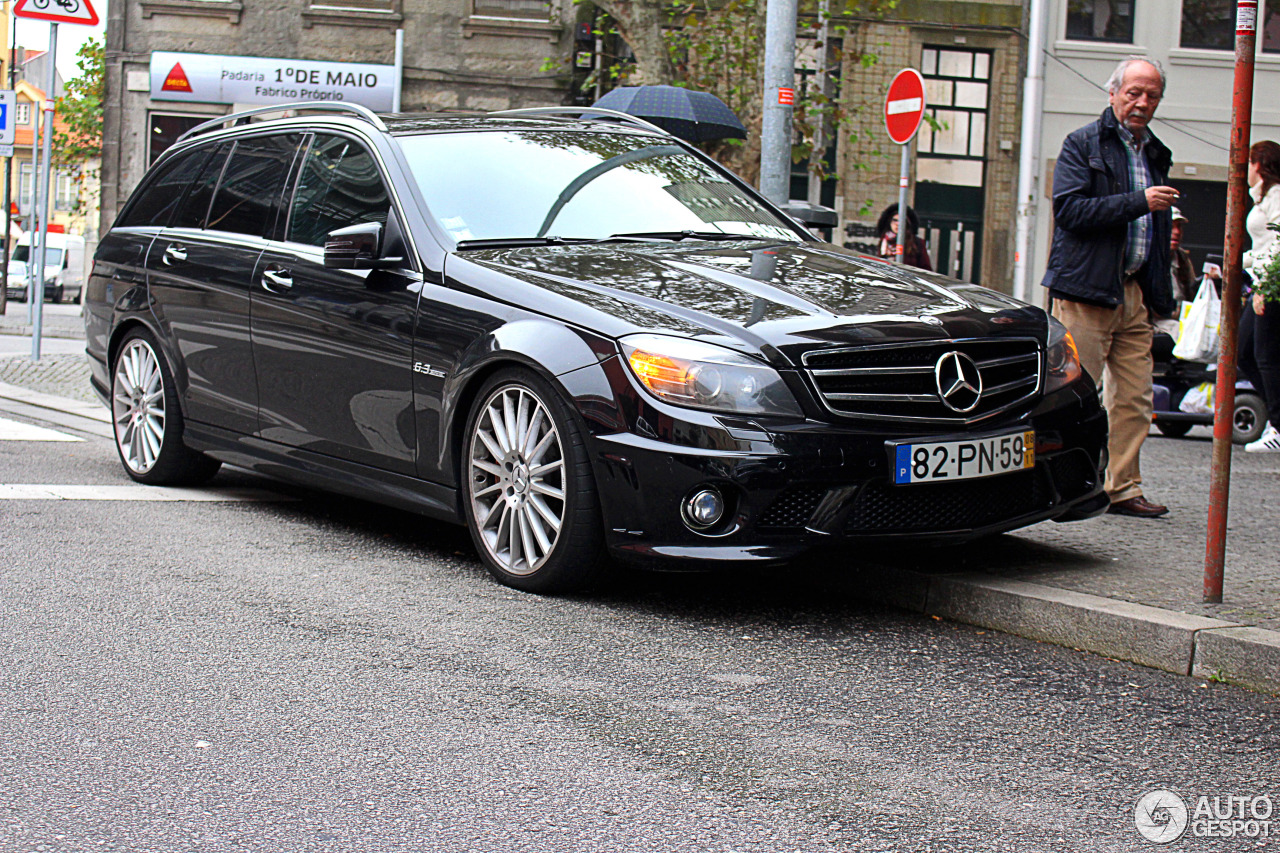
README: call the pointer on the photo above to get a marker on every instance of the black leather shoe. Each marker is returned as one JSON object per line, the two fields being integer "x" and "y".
{"x": 1138, "y": 507}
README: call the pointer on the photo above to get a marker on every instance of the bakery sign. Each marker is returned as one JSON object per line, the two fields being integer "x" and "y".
{"x": 212, "y": 79}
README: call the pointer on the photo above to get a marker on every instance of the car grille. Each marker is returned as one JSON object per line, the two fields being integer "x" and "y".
{"x": 1073, "y": 474}
{"x": 793, "y": 508}
{"x": 897, "y": 382}
{"x": 940, "y": 507}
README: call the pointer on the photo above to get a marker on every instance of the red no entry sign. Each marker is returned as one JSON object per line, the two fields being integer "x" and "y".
{"x": 904, "y": 105}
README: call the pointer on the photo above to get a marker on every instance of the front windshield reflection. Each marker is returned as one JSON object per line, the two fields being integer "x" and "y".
{"x": 573, "y": 184}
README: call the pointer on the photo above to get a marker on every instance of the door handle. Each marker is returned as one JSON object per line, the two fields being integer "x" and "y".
{"x": 273, "y": 278}
{"x": 174, "y": 254}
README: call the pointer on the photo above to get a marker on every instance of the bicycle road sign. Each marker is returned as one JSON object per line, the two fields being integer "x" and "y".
{"x": 58, "y": 11}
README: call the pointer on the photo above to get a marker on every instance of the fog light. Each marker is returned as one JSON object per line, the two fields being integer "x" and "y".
{"x": 703, "y": 508}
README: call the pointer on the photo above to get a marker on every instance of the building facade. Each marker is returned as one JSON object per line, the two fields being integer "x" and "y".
{"x": 458, "y": 54}
{"x": 1195, "y": 42}
{"x": 964, "y": 174}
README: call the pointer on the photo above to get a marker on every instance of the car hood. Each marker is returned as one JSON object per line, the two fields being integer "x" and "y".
{"x": 780, "y": 299}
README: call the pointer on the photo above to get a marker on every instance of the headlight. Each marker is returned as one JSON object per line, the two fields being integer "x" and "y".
{"x": 1063, "y": 361}
{"x": 704, "y": 376}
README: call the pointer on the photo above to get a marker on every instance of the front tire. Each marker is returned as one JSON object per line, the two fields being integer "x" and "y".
{"x": 529, "y": 493}
{"x": 147, "y": 420}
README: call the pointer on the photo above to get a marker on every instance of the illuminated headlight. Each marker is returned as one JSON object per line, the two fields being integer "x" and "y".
{"x": 704, "y": 376}
{"x": 1062, "y": 361}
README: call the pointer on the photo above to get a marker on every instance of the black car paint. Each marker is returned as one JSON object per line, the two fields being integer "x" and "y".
{"x": 559, "y": 310}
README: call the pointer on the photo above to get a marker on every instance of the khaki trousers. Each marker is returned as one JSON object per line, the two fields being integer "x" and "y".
{"x": 1115, "y": 347}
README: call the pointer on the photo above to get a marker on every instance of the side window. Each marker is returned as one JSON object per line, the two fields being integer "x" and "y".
{"x": 155, "y": 201}
{"x": 338, "y": 185}
{"x": 251, "y": 185}
{"x": 196, "y": 205}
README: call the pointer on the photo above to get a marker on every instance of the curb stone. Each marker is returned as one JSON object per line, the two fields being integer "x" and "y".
{"x": 1248, "y": 656}
{"x": 1175, "y": 642}
{"x": 1151, "y": 636}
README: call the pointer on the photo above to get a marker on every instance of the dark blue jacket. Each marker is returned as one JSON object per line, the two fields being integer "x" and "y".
{"x": 1093, "y": 206}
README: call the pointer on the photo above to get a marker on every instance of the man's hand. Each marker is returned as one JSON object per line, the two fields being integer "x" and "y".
{"x": 1161, "y": 198}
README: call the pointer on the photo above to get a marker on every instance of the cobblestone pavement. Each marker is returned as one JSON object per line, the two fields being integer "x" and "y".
{"x": 1157, "y": 562}
{"x": 63, "y": 375}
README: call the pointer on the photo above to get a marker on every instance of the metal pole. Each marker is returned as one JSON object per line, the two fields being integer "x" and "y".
{"x": 822, "y": 85}
{"x": 399, "y": 81}
{"x": 779, "y": 100}
{"x": 1029, "y": 147}
{"x": 37, "y": 286}
{"x": 1237, "y": 209}
{"x": 904, "y": 179}
{"x": 8, "y": 179}
{"x": 35, "y": 219}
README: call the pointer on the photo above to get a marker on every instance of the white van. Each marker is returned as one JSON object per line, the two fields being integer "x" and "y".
{"x": 63, "y": 267}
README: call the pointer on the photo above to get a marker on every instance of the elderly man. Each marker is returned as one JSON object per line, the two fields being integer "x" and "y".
{"x": 1108, "y": 270}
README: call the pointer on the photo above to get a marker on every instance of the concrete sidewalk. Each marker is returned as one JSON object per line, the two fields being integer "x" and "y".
{"x": 1122, "y": 587}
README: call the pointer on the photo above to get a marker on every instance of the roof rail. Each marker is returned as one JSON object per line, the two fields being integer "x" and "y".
{"x": 319, "y": 106}
{"x": 582, "y": 112}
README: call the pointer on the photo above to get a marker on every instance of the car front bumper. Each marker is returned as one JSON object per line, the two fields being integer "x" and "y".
{"x": 791, "y": 491}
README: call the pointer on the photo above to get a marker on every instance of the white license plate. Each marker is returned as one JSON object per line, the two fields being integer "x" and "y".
{"x": 931, "y": 462}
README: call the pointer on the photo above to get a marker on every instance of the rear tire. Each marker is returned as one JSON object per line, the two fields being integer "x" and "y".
{"x": 528, "y": 490}
{"x": 1174, "y": 429}
{"x": 1249, "y": 418}
{"x": 147, "y": 420}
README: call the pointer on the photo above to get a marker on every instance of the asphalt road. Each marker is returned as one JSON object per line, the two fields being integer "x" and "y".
{"x": 319, "y": 674}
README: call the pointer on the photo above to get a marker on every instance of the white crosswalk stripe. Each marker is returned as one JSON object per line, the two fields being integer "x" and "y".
{"x": 17, "y": 431}
{"x": 55, "y": 492}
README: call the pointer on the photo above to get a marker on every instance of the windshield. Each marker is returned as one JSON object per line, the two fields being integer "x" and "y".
{"x": 52, "y": 256}
{"x": 559, "y": 183}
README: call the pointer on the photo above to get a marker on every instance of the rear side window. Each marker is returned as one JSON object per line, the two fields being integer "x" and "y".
{"x": 155, "y": 201}
{"x": 196, "y": 206}
{"x": 339, "y": 185}
{"x": 251, "y": 185}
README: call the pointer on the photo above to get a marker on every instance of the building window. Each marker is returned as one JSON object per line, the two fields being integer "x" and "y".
{"x": 26, "y": 186}
{"x": 1100, "y": 20}
{"x": 166, "y": 128}
{"x": 24, "y": 113}
{"x": 537, "y": 10}
{"x": 355, "y": 5}
{"x": 66, "y": 191}
{"x": 1211, "y": 24}
{"x": 956, "y": 84}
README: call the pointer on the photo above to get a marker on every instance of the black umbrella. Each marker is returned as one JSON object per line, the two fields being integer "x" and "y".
{"x": 690, "y": 115}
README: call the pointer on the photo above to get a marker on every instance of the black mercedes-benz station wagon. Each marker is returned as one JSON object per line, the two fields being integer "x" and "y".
{"x": 575, "y": 334}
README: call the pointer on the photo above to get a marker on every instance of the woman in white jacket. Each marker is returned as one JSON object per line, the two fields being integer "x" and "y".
{"x": 1259, "y": 354}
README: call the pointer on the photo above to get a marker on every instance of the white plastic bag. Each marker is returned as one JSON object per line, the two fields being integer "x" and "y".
{"x": 1198, "y": 400}
{"x": 1198, "y": 336}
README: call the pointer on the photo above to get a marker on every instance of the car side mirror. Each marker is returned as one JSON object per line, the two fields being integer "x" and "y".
{"x": 357, "y": 247}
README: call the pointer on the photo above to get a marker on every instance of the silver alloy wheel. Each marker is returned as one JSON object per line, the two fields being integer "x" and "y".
{"x": 516, "y": 479}
{"x": 137, "y": 406}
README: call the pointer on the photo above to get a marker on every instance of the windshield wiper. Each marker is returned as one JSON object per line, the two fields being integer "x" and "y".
{"x": 520, "y": 242}
{"x": 677, "y": 235}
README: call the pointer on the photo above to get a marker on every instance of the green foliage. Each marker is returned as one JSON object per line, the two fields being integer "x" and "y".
{"x": 1267, "y": 282}
{"x": 80, "y": 109}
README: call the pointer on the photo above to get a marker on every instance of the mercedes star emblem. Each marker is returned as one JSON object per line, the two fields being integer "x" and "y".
{"x": 959, "y": 382}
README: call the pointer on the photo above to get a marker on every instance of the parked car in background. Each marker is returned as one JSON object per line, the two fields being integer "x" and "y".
{"x": 581, "y": 338}
{"x": 64, "y": 267}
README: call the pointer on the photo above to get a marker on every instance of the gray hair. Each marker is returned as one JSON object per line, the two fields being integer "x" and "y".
{"x": 1117, "y": 76}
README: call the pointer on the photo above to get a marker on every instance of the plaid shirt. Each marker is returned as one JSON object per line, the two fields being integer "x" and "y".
{"x": 1139, "y": 245}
